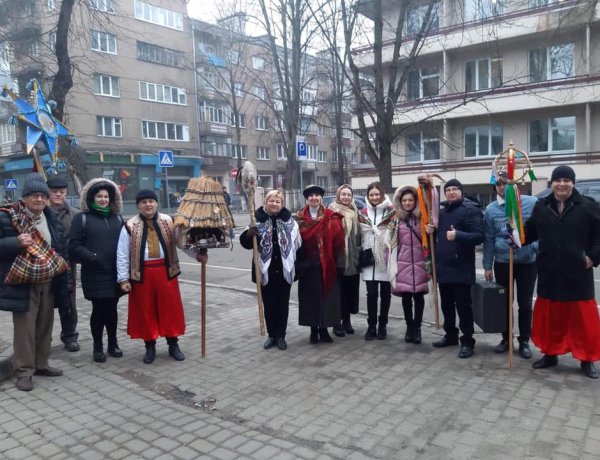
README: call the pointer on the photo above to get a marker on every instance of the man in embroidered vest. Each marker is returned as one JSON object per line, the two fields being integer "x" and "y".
{"x": 147, "y": 268}
{"x": 32, "y": 304}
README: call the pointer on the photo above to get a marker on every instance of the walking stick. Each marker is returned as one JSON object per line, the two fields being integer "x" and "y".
{"x": 261, "y": 313}
{"x": 510, "y": 307}
{"x": 203, "y": 259}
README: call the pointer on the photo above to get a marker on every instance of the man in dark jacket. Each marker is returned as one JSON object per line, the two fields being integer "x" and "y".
{"x": 32, "y": 304}
{"x": 57, "y": 187}
{"x": 460, "y": 230}
{"x": 565, "y": 318}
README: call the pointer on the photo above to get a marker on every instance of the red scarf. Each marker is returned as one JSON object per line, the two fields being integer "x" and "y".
{"x": 325, "y": 236}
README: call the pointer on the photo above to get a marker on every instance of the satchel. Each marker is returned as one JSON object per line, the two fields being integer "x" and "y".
{"x": 366, "y": 258}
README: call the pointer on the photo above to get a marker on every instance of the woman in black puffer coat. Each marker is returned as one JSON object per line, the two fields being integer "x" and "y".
{"x": 93, "y": 243}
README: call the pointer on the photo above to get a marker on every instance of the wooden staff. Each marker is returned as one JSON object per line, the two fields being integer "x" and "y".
{"x": 255, "y": 256}
{"x": 510, "y": 306}
{"x": 431, "y": 237}
{"x": 203, "y": 259}
{"x": 38, "y": 163}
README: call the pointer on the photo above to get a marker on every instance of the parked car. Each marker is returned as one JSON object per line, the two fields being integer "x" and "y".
{"x": 359, "y": 201}
{"x": 590, "y": 188}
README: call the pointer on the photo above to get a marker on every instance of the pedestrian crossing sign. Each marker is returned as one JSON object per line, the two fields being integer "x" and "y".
{"x": 11, "y": 184}
{"x": 166, "y": 158}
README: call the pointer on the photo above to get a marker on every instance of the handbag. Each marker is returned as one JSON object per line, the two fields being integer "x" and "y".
{"x": 37, "y": 263}
{"x": 366, "y": 258}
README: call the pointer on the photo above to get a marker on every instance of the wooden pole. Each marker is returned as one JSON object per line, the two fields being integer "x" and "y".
{"x": 261, "y": 313}
{"x": 203, "y": 259}
{"x": 428, "y": 204}
{"x": 510, "y": 307}
{"x": 38, "y": 163}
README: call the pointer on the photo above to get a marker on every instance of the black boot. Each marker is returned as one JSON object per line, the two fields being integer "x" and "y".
{"x": 324, "y": 335}
{"x": 99, "y": 355}
{"x": 113, "y": 348}
{"x": 409, "y": 336}
{"x": 150, "y": 352}
{"x": 339, "y": 330}
{"x": 314, "y": 335}
{"x": 371, "y": 333}
{"x": 382, "y": 331}
{"x": 174, "y": 350}
{"x": 347, "y": 325}
{"x": 417, "y": 335}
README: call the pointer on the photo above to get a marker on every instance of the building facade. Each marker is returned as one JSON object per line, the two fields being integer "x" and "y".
{"x": 491, "y": 72}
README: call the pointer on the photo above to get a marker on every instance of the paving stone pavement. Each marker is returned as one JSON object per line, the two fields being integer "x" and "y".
{"x": 347, "y": 400}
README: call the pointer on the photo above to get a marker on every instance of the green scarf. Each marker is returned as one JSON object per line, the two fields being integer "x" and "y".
{"x": 104, "y": 212}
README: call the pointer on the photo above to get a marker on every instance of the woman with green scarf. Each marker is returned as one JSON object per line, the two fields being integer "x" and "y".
{"x": 350, "y": 281}
{"x": 93, "y": 243}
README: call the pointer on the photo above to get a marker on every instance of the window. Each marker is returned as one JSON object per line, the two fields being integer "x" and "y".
{"x": 322, "y": 156}
{"x": 551, "y": 63}
{"x": 156, "y": 15}
{"x": 312, "y": 152}
{"x": 239, "y": 151}
{"x": 108, "y": 126}
{"x": 483, "y": 74}
{"x": 481, "y": 9}
{"x": 159, "y": 55}
{"x": 52, "y": 41}
{"x": 33, "y": 48}
{"x": 104, "y": 42}
{"x": 552, "y": 135}
{"x": 162, "y": 93}
{"x": 233, "y": 57}
{"x": 322, "y": 181}
{"x": 483, "y": 141}
{"x": 260, "y": 92}
{"x": 262, "y": 153}
{"x": 241, "y": 119}
{"x": 8, "y": 133}
{"x": 422, "y": 147}
{"x": 423, "y": 83}
{"x": 211, "y": 80}
{"x": 106, "y": 85}
{"x": 324, "y": 131}
{"x": 416, "y": 16}
{"x": 281, "y": 152}
{"x": 261, "y": 123}
{"x": 51, "y": 4}
{"x": 537, "y": 3}
{"x": 258, "y": 63}
{"x": 107, "y": 6}
{"x": 215, "y": 113}
{"x": 215, "y": 149}
{"x": 165, "y": 131}
{"x": 238, "y": 89}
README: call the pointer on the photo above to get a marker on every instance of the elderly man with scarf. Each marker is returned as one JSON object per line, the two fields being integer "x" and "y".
{"x": 147, "y": 268}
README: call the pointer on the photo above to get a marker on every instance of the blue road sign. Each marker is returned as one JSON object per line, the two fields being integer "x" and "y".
{"x": 166, "y": 158}
{"x": 11, "y": 184}
{"x": 300, "y": 148}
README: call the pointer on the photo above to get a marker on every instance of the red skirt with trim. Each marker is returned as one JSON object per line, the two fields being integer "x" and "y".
{"x": 561, "y": 327}
{"x": 155, "y": 308}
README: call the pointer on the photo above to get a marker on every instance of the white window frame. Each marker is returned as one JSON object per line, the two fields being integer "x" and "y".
{"x": 211, "y": 112}
{"x": 260, "y": 92}
{"x": 322, "y": 156}
{"x": 114, "y": 124}
{"x": 51, "y": 5}
{"x": 242, "y": 148}
{"x": 476, "y": 10}
{"x": 261, "y": 123}
{"x": 551, "y": 127}
{"x": 258, "y": 63}
{"x": 423, "y": 76}
{"x": 479, "y": 131}
{"x": 311, "y": 152}
{"x": 281, "y": 152}
{"x": 104, "y": 40}
{"x": 242, "y": 120}
{"x": 8, "y": 133}
{"x": 157, "y": 15}
{"x": 551, "y": 70}
{"x": 33, "y": 48}
{"x": 106, "y": 6}
{"x": 262, "y": 153}
{"x": 164, "y": 94}
{"x": 415, "y": 16}
{"x": 238, "y": 89}
{"x": 424, "y": 139}
{"x": 107, "y": 85}
{"x": 162, "y": 130}
{"x": 493, "y": 67}
{"x": 322, "y": 181}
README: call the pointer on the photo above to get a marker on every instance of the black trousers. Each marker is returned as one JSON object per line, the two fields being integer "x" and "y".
{"x": 456, "y": 298}
{"x": 413, "y": 321}
{"x": 276, "y": 300}
{"x": 525, "y": 276}
{"x": 375, "y": 290}
{"x": 104, "y": 314}
{"x": 350, "y": 286}
{"x": 68, "y": 320}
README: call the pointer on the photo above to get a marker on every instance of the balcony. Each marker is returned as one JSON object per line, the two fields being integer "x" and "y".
{"x": 207, "y": 128}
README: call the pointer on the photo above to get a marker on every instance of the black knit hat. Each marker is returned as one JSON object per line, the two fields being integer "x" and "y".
{"x": 145, "y": 194}
{"x": 563, "y": 172}
{"x": 453, "y": 183}
{"x": 34, "y": 183}
{"x": 57, "y": 182}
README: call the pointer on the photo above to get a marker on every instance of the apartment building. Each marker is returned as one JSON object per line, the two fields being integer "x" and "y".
{"x": 491, "y": 72}
{"x": 239, "y": 106}
{"x": 133, "y": 93}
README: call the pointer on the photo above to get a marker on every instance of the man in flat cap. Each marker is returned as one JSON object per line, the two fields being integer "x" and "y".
{"x": 147, "y": 269}
{"x": 57, "y": 189}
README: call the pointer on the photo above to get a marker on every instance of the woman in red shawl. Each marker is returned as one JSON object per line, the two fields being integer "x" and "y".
{"x": 318, "y": 263}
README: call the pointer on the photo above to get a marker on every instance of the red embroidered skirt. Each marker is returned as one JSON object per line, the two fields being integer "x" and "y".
{"x": 155, "y": 308}
{"x": 562, "y": 327}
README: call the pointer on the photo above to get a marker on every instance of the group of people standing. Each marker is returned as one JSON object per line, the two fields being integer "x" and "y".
{"x": 137, "y": 257}
{"x": 328, "y": 250}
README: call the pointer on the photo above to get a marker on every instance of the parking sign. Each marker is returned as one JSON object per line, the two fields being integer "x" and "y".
{"x": 300, "y": 148}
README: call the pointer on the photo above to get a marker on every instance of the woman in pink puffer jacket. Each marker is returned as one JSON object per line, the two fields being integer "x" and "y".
{"x": 406, "y": 264}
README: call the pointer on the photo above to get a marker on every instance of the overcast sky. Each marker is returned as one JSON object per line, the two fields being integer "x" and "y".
{"x": 205, "y": 10}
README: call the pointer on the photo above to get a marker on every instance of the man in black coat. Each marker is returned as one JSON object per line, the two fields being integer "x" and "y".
{"x": 565, "y": 316}
{"x": 32, "y": 304}
{"x": 460, "y": 230}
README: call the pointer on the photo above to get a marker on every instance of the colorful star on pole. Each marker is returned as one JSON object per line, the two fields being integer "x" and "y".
{"x": 38, "y": 118}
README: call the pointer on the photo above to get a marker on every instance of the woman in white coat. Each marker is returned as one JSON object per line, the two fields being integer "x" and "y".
{"x": 374, "y": 219}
